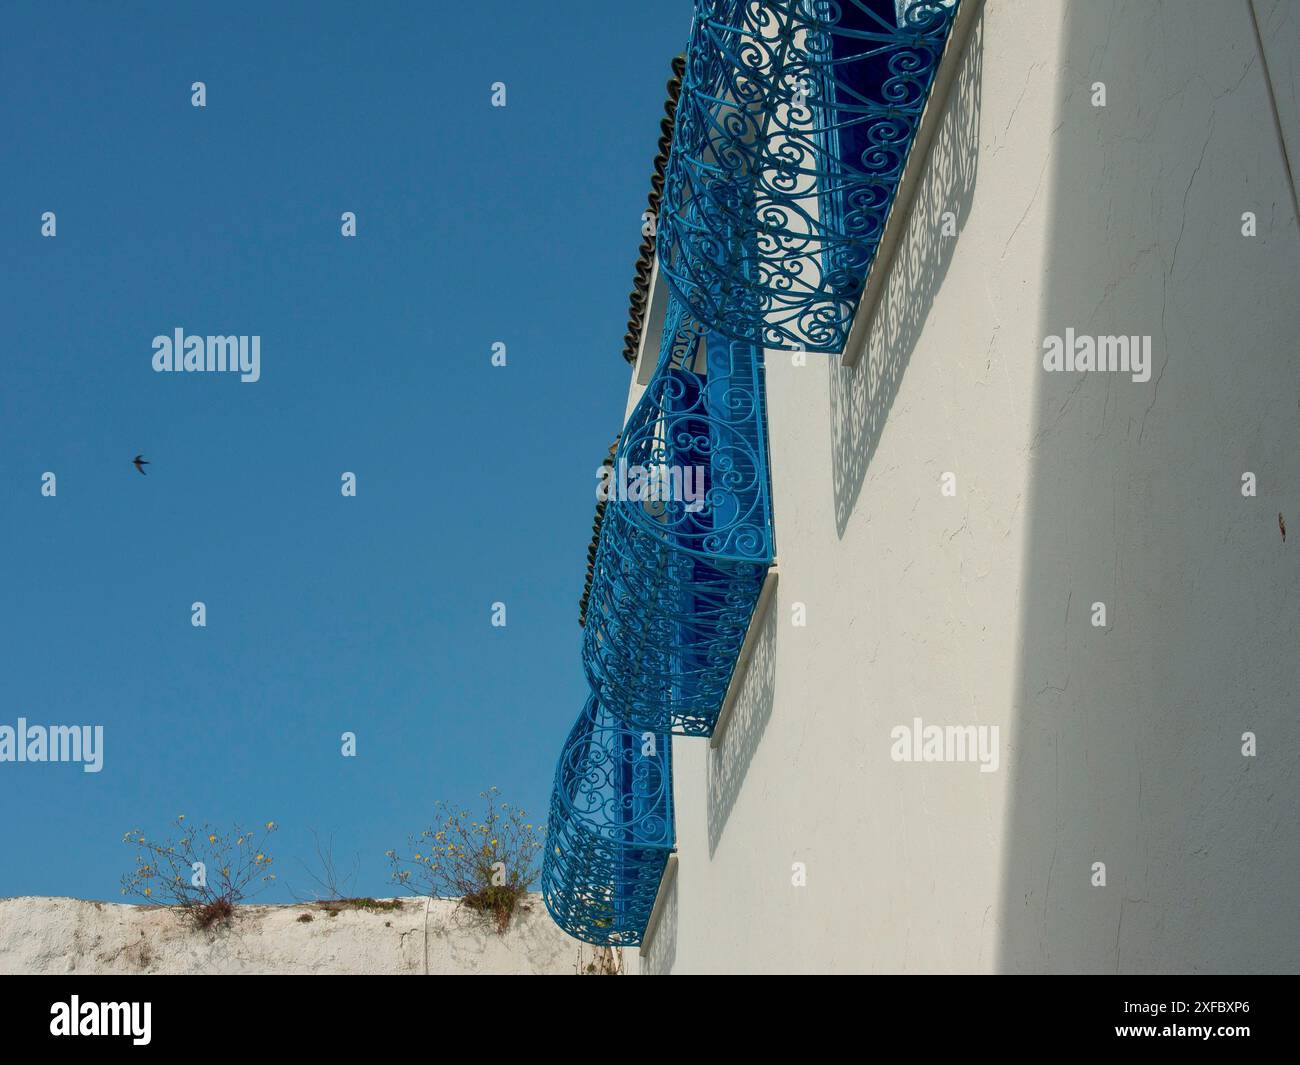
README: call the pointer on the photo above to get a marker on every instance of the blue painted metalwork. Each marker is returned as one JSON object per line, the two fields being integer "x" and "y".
{"x": 675, "y": 581}
{"x": 610, "y": 830}
{"x": 791, "y": 134}
{"x": 793, "y": 126}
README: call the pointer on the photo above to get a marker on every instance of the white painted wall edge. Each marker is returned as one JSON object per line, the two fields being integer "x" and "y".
{"x": 766, "y": 597}
{"x": 918, "y": 159}
{"x": 652, "y": 326}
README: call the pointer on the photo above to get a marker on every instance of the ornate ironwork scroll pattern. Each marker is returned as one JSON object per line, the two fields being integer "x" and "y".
{"x": 675, "y": 581}
{"x": 610, "y": 829}
{"x": 792, "y": 130}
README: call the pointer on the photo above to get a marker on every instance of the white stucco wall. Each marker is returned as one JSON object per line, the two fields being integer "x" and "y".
{"x": 45, "y": 936}
{"x": 1119, "y": 745}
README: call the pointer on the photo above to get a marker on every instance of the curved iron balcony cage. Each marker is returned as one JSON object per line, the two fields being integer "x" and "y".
{"x": 610, "y": 830}
{"x": 792, "y": 130}
{"x": 680, "y": 564}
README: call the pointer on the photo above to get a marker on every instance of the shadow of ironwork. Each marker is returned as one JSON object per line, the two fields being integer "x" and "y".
{"x": 862, "y": 396}
{"x": 660, "y": 957}
{"x": 729, "y": 762}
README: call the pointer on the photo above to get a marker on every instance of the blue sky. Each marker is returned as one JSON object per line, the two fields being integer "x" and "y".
{"x": 475, "y": 483}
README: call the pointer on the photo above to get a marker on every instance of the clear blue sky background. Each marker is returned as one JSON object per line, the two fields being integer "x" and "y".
{"x": 476, "y": 484}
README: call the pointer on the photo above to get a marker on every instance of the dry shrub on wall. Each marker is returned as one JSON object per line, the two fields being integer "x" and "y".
{"x": 488, "y": 864}
{"x": 202, "y": 872}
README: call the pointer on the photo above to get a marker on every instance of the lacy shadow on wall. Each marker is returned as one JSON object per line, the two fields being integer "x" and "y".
{"x": 861, "y": 396}
{"x": 660, "y": 956}
{"x": 729, "y": 761}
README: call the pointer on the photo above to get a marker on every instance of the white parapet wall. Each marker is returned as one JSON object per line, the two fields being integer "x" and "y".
{"x": 40, "y": 936}
{"x": 1112, "y": 170}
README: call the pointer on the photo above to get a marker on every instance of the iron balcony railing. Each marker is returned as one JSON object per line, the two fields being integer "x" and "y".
{"x": 675, "y": 580}
{"x": 610, "y": 830}
{"x": 790, "y": 136}
{"x": 792, "y": 130}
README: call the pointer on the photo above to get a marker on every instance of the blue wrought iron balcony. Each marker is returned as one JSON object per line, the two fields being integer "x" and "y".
{"x": 792, "y": 130}
{"x": 610, "y": 830}
{"x": 788, "y": 143}
{"x": 675, "y": 580}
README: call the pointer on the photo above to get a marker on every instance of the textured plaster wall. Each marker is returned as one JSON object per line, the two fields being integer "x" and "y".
{"x": 1121, "y": 744}
{"x": 56, "y": 935}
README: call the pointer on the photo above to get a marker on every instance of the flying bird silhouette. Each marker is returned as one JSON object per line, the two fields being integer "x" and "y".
{"x": 140, "y": 463}
{"x": 1281, "y": 521}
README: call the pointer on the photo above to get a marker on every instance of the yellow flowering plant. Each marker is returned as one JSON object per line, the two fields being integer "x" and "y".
{"x": 488, "y": 863}
{"x": 203, "y": 872}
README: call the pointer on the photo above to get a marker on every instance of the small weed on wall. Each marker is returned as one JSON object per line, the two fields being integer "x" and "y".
{"x": 203, "y": 872}
{"x": 488, "y": 864}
